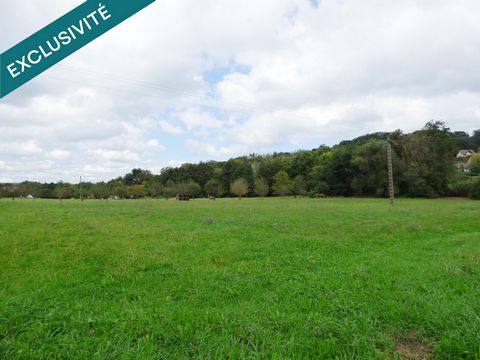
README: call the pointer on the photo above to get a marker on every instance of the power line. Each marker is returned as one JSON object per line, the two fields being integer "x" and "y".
{"x": 154, "y": 85}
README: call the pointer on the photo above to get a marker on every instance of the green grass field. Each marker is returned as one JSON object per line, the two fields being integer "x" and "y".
{"x": 253, "y": 279}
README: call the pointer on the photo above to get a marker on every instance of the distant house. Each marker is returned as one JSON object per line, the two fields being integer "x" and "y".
{"x": 462, "y": 159}
{"x": 462, "y": 154}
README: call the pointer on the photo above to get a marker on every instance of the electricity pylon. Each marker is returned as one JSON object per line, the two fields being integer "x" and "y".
{"x": 391, "y": 186}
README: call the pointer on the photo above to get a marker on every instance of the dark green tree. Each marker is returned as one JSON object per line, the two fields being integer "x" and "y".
{"x": 282, "y": 185}
{"x": 299, "y": 185}
{"x": 261, "y": 187}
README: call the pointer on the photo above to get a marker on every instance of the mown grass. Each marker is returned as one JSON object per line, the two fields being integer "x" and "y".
{"x": 253, "y": 279}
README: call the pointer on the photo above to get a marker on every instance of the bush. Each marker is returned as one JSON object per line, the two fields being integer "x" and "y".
{"x": 475, "y": 189}
{"x": 474, "y": 164}
{"x": 420, "y": 188}
{"x": 322, "y": 188}
{"x": 460, "y": 185}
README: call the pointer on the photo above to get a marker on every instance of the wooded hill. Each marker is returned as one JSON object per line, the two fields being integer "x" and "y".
{"x": 425, "y": 165}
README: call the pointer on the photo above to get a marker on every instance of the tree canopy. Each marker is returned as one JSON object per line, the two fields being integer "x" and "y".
{"x": 424, "y": 165}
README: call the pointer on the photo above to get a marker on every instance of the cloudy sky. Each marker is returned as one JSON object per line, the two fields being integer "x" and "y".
{"x": 189, "y": 80}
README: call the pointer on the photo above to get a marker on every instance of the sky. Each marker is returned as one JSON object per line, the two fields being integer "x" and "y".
{"x": 189, "y": 81}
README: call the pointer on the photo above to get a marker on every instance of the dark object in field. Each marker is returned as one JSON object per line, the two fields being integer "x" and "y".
{"x": 320, "y": 196}
{"x": 212, "y": 198}
{"x": 183, "y": 197}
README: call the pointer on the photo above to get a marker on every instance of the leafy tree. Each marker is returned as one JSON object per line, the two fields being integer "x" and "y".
{"x": 170, "y": 189}
{"x": 235, "y": 169}
{"x": 474, "y": 164}
{"x": 282, "y": 184}
{"x": 154, "y": 187}
{"x": 214, "y": 188}
{"x": 475, "y": 140}
{"x": 475, "y": 189}
{"x": 299, "y": 185}
{"x": 190, "y": 188}
{"x": 65, "y": 191}
{"x": 302, "y": 162}
{"x": 429, "y": 160}
{"x": 462, "y": 140}
{"x": 137, "y": 177}
{"x": 13, "y": 191}
{"x": 120, "y": 190}
{"x": 316, "y": 179}
{"x": 100, "y": 191}
{"x": 136, "y": 191}
{"x": 201, "y": 173}
{"x": 338, "y": 173}
{"x": 461, "y": 185}
{"x": 261, "y": 187}
{"x": 370, "y": 169}
{"x": 239, "y": 187}
{"x": 269, "y": 166}
{"x": 30, "y": 188}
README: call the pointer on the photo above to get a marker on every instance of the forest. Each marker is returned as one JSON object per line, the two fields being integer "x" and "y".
{"x": 425, "y": 164}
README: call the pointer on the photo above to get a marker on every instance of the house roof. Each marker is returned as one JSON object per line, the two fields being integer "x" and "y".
{"x": 466, "y": 153}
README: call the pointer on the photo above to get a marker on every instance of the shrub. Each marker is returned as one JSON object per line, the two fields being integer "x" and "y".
{"x": 475, "y": 189}
{"x": 474, "y": 164}
{"x": 322, "y": 188}
{"x": 420, "y": 188}
{"x": 460, "y": 186}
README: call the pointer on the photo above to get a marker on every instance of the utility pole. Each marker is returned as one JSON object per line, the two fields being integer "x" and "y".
{"x": 391, "y": 188}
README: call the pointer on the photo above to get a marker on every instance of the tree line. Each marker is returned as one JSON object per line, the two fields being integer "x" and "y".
{"x": 424, "y": 163}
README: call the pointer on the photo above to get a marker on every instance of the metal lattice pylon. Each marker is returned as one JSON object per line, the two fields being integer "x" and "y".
{"x": 391, "y": 188}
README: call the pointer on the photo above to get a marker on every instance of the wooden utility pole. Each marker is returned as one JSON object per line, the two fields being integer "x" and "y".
{"x": 391, "y": 187}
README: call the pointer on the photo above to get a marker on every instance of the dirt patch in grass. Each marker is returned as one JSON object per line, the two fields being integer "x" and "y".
{"x": 410, "y": 348}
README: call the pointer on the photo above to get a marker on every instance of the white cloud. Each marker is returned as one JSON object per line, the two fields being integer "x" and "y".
{"x": 59, "y": 154}
{"x": 198, "y": 122}
{"x": 169, "y": 128}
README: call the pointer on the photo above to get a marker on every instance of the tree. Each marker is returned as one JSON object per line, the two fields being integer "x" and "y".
{"x": 170, "y": 189}
{"x": 239, "y": 187}
{"x": 337, "y": 173}
{"x": 238, "y": 168}
{"x": 474, "y": 164}
{"x": 120, "y": 190}
{"x": 65, "y": 191}
{"x": 429, "y": 160}
{"x": 269, "y": 166}
{"x": 475, "y": 140}
{"x": 190, "y": 189}
{"x": 155, "y": 187}
{"x": 475, "y": 189}
{"x": 101, "y": 191}
{"x": 302, "y": 163}
{"x": 261, "y": 187}
{"x": 369, "y": 168}
{"x": 282, "y": 185}
{"x": 299, "y": 185}
{"x": 13, "y": 191}
{"x": 137, "y": 177}
{"x": 213, "y": 188}
{"x": 462, "y": 140}
{"x": 136, "y": 191}
{"x": 316, "y": 179}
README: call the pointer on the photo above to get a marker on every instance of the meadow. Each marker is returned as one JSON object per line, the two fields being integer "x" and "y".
{"x": 251, "y": 279}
